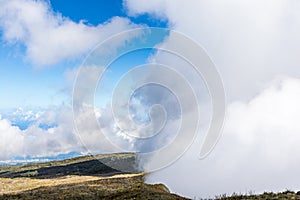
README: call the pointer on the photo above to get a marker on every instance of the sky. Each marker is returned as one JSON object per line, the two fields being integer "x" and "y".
{"x": 29, "y": 73}
{"x": 52, "y": 54}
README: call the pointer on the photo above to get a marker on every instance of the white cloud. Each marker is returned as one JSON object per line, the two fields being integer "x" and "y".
{"x": 36, "y": 141}
{"x": 60, "y": 136}
{"x": 253, "y": 44}
{"x": 12, "y": 139}
{"x": 258, "y": 151}
{"x": 48, "y": 36}
{"x": 53, "y": 132}
{"x": 252, "y": 41}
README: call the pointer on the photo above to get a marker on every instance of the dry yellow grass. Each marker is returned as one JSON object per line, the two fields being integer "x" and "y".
{"x": 16, "y": 185}
{"x": 85, "y": 177}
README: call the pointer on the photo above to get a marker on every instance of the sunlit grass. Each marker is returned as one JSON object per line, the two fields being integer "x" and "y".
{"x": 16, "y": 185}
{"x": 79, "y": 178}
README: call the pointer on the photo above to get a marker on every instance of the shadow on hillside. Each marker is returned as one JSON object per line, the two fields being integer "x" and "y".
{"x": 92, "y": 167}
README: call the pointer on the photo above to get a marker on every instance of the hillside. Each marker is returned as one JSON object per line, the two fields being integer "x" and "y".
{"x": 265, "y": 196}
{"x": 79, "y": 178}
{"x": 87, "y": 178}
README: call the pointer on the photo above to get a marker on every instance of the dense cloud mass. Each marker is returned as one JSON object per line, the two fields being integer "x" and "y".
{"x": 257, "y": 152}
{"x": 251, "y": 42}
{"x": 255, "y": 45}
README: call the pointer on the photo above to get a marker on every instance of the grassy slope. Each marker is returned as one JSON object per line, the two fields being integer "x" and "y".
{"x": 87, "y": 178}
{"x": 79, "y": 178}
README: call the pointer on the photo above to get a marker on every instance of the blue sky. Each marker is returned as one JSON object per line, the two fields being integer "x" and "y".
{"x": 254, "y": 44}
{"x": 99, "y": 11}
{"x": 23, "y": 84}
{"x": 43, "y": 44}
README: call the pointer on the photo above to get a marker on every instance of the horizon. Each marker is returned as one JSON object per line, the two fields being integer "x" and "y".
{"x": 206, "y": 92}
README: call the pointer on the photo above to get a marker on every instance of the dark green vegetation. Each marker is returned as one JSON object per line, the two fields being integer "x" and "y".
{"x": 79, "y": 178}
{"x": 265, "y": 196}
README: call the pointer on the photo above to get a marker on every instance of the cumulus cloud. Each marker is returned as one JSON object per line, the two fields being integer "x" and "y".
{"x": 12, "y": 139}
{"x": 36, "y": 141}
{"x": 50, "y": 37}
{"x": 258, "y": 151}
{"x": 253, "y": 44}
{"x": 53, "y": 132}
{"x": 250, "y": 40}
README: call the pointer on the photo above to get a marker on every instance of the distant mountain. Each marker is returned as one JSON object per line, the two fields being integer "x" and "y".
{"x": 30, "y": 160}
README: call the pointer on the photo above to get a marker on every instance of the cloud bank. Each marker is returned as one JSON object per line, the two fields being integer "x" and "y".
{"x": 250, "y": 42}
{"x": 38, "y": 141}
{"x": 258, "y": 150}
{"x": 255, "y": 46}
